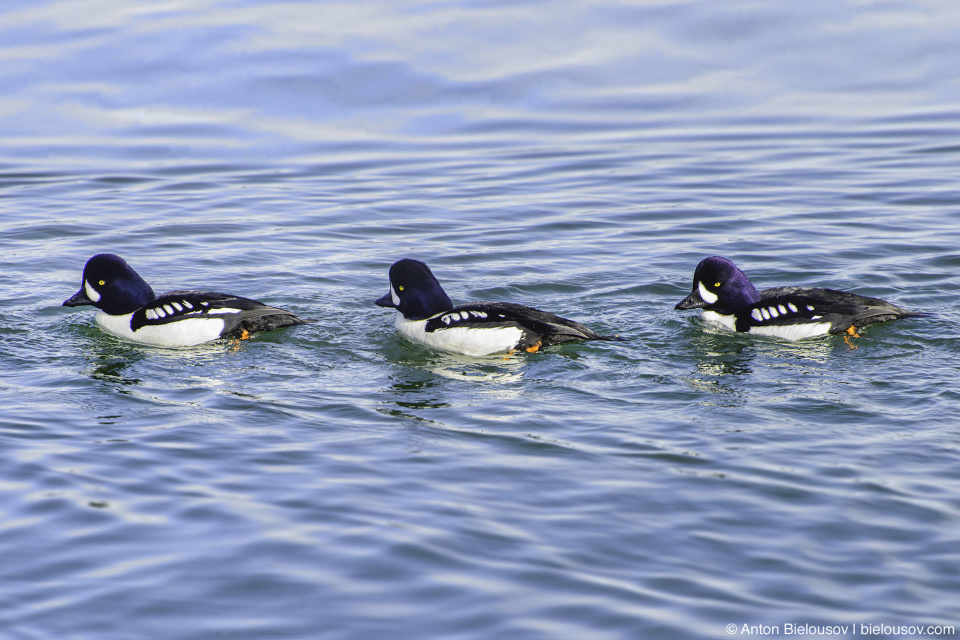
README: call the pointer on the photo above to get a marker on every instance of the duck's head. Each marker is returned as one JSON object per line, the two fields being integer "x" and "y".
{"x": 414, "y": 291}
{"x": 718, "y": 285}
{"x": 111, "y": 285}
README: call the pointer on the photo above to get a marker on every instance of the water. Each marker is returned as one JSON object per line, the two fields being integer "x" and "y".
{"x": 333, "y": 481}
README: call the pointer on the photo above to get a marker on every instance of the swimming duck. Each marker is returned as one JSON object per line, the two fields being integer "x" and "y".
{"x": 128, "y": 308}
{"x": 729, "y": 299}
{"x": 429, "y": 317}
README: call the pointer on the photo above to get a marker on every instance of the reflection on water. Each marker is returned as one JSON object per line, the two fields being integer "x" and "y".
{"x": 112, "y": 369}
{"x": 725, "y": 366}
{"x": 721, "y": 357}
{"x": 507, "y": 371}
{"x": 177, "y": 376}
{"x": 494, "y": 369}
{"x": 423, "y": 378}
{"x": 418, "y": 398}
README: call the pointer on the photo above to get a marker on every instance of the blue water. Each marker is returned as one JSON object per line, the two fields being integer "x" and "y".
{"x": 334, "y": 481}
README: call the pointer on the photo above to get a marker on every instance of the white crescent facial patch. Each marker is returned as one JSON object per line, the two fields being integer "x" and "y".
{"x": 394, "y": 297}
{"x": 91, "y": 292}
{"x": 707, "y": 297}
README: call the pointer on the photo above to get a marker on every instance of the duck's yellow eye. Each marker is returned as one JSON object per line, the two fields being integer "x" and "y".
{"x": 400, "y": 287}
{"x": 103, "y": 282}
{"x": 715, "y": 285}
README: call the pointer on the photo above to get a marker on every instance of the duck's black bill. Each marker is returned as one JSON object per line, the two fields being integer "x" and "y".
{"x": 385, "y": 301}
{"x": 692, "y": 301}
{"x": 78, "y": 299}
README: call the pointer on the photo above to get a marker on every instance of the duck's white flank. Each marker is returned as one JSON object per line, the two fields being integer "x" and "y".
{"x": 786, "y": 331}
{"x": 471, "y": 342}
{"x": 794, "y": 331}
{"x": 182, "y": 333}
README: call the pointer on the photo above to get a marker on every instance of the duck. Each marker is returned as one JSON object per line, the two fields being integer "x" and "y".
{"x": 427, "y": 316}
{"x": 728, "y": 299}
{"x": 129, "y": 309}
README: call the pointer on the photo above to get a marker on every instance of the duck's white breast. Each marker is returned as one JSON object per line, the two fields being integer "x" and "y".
{"x": 727, "y": 322}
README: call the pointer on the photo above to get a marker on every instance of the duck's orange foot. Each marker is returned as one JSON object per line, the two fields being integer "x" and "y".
{"x": 533, "y": 348}
{"x": 235, "y": 343}
{"x": 850, "y": 333}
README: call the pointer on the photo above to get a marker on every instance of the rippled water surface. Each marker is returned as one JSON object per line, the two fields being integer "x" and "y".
{"x": 334, "y": 481}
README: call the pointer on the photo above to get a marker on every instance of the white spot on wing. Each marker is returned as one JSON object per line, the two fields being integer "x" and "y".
{"x": 168, "y": 309}
{"x": 792, "y": 308}
{"x": 766, "y": 314}
{"x": 160, "y": 312}
{"x": 782, "y": 309}
{"x": 773, "y": 312}
{"x": 151, "y": 314}
{"x": 809, "y": 308}
{"x": 755, "y": 314}
{"x": 176, "y": 305}
{"x": 187, "y": 304}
